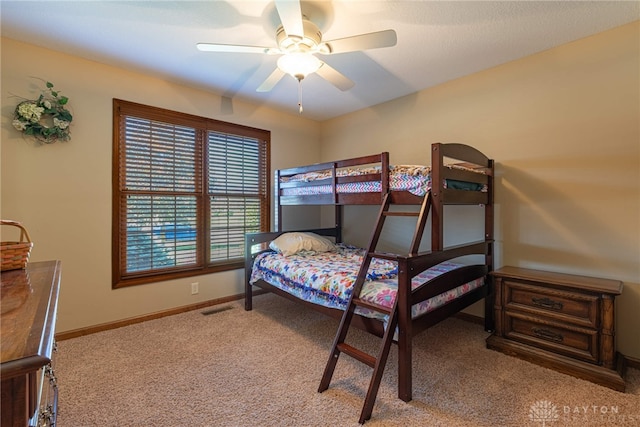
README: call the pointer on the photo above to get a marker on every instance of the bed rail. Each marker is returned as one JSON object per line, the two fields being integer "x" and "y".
{"x": 443, "y": 282}
{"x": 380, "y": 160}
{"x": 416, "y": 264}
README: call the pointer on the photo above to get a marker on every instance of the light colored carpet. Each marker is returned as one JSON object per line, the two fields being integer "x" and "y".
{"x": 263, "y": 368}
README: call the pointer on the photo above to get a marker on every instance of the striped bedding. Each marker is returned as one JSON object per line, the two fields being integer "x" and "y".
{"x": 412, "y": 178}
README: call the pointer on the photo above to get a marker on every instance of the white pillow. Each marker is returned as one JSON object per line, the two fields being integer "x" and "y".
{"x": 294, "y": 242}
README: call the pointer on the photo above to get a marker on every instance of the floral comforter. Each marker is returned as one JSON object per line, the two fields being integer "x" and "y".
{"x": 327, "y": 279}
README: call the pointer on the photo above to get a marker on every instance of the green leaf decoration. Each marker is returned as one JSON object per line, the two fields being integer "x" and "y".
{"x": 45, "y": 118}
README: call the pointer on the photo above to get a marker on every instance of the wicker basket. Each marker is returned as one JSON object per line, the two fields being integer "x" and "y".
{"x": 15, "y": 254}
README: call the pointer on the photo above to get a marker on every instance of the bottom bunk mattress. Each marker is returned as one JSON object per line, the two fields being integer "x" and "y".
{"x": 327, "y": 279}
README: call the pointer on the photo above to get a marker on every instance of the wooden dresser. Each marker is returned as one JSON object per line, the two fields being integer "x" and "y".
{"x": 29, "y": 304}
{"x": 559, "y": 321}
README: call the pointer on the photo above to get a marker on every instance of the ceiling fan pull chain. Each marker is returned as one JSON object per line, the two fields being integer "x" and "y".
{"x": 300, "y": 95}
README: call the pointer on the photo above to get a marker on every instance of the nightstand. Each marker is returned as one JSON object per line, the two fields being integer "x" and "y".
{"x": 560, "y": 321}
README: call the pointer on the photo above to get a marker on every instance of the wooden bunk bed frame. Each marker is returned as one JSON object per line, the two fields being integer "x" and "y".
{"x": 408, "y": 265}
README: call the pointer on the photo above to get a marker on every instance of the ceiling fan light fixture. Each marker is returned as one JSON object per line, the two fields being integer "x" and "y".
{"x": 298, "y": 40}
{"x": 299, "y": 65}
{"x": 306, "y": 42}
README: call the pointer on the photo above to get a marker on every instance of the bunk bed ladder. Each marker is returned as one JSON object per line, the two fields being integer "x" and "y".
{"x": 339, "y": 346}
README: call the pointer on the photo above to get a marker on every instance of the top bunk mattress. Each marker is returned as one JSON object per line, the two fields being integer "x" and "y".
{"x": 415, "y": 179}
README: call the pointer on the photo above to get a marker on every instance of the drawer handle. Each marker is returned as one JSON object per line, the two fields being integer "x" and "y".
{"x": 547, "y": 334}
{"x": 547, "y": 303}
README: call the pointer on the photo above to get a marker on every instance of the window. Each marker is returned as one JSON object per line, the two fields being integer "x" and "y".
{"x": 186, "y": 189}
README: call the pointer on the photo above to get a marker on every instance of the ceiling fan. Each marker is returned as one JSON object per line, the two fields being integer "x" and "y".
{"x": 298, "y": 40}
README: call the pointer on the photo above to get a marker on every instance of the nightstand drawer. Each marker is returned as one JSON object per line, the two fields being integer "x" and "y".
{"x": 576, "y": 342}
{"x": 577, "y": 308}
{"x": 561, "y": 321}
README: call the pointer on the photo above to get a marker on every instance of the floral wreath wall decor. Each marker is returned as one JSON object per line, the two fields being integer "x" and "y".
{"x": 46, "y": 118}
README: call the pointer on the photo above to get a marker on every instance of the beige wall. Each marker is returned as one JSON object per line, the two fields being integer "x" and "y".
{"x": 562, "y": 125}
{"x": 62, "y": 192}
{"x": 564, "y": 129}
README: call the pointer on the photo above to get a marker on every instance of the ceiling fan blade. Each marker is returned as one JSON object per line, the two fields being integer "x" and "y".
{"x": 271, "y": 81}
{"x": 334, "y": 77}
{"x": 291, "y": 17}
{"x": 386, "y": 38}
{"x": 231, "y": 48}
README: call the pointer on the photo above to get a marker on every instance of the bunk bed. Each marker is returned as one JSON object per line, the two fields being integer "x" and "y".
{"x": 419, "y": 277}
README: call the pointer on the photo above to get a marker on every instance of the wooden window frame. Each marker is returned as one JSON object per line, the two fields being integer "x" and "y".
{"x": 202, "y": 125}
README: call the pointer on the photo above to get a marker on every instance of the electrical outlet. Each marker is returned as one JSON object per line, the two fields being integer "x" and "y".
{"x": 194, "y": 288}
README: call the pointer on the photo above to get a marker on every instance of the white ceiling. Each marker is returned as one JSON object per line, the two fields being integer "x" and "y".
{"x": 437, "y": 41}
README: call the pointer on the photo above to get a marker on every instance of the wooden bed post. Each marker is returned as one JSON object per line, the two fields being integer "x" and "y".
{"x": 437, "y": 205}
{"x": 277, "y": 201}
{"x": 405, "y": 333}
{"x": 489, "y": 301}
{"x": 248, "y": 262}
{"x": 384, "y": 175}
{"x": 338, "y": 211}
